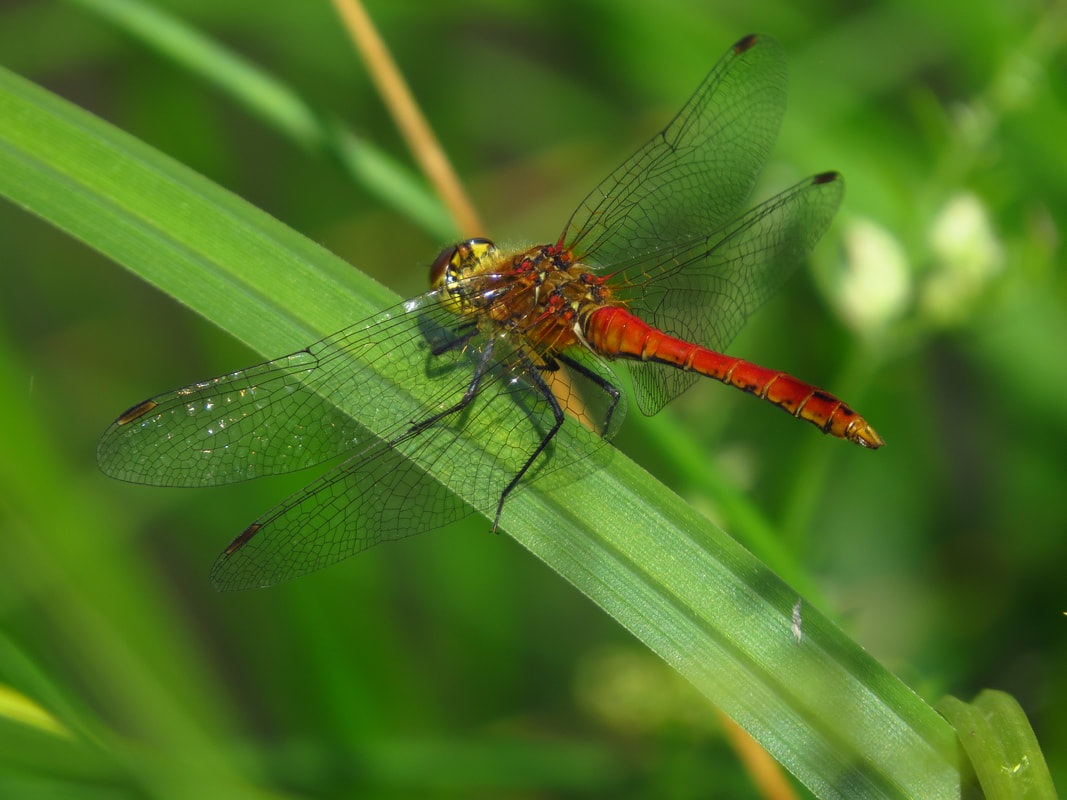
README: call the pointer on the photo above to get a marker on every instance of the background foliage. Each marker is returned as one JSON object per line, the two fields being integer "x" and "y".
{"x": 456, "y": 663}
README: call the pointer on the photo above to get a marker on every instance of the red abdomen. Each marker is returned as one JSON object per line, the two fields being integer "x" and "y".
{"x": 615, "y": 332}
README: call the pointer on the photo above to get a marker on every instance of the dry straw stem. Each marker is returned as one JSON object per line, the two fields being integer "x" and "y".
{"x": 409, "y": 119}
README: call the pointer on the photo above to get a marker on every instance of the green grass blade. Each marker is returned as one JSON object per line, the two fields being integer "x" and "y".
{"x": 832, "y": 715}
{"x": 1001, "y": 746}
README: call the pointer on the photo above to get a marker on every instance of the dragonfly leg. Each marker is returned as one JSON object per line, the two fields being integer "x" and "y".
{"x": 534, "y": 374}
{"x": 484, "y": 363}
{"x": 611, "y": 389}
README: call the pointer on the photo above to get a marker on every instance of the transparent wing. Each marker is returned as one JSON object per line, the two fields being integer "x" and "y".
{"x": 279, "y": 416}
{"x": 702, "y": 291}
{"x": 395, "y": 489}
{"x": 692, "y": 177}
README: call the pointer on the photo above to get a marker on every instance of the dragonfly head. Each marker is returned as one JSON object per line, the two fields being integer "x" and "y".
{"x": 456, "y": 263}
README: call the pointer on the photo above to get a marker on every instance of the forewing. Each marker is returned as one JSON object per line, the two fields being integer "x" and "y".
{"x": 694, "y": 175}
{"x": 282, "y": 415}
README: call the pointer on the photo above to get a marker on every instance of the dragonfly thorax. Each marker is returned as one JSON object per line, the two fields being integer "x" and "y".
{"x": 541, "y": 293}
{"x": 545, "y": 295}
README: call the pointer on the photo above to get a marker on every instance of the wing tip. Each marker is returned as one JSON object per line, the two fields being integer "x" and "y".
{"x": 746, "y": 43}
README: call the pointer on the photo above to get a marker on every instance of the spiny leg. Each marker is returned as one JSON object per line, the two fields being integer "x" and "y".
{"x": 534, "y": 373}
{"x": 600, "y": 381}
{"x": 484, "y": 363}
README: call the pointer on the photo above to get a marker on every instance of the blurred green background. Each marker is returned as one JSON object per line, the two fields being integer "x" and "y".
{"x": 455, "y": 664}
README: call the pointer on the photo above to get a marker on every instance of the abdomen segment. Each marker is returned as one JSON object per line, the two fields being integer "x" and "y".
{"x": 615, "y": 332}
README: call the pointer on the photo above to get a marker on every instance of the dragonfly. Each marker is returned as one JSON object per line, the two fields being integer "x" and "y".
{"x": 657, "y": 267}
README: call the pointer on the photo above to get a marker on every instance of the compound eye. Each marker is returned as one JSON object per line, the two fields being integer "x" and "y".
{"x": 440, "y": 266}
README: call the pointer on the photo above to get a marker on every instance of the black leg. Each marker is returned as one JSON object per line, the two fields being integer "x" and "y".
{"x": 534, "y": 374}
{"x": 611, "y": 389}
{"x": 484, "y": 363}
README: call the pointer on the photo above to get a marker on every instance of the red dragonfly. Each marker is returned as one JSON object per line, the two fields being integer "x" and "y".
{"x": 654, "y": 267}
